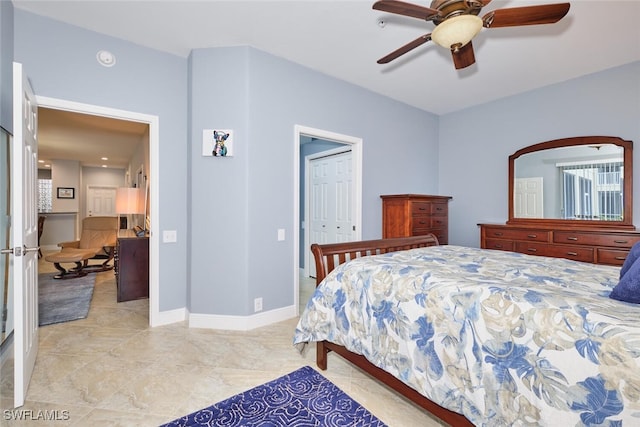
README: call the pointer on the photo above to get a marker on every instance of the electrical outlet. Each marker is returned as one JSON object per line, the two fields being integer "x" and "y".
{"x": 257, "y": 304}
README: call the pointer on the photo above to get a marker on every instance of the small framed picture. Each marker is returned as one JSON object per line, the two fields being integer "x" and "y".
{"x": 66, "y": 193}
{"x": 217, "y": 142}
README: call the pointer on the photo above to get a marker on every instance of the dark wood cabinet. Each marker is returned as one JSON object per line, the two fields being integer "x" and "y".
{"x": 587, "y": 244}
{"x": 405, "y": 215}
{"x": 131, "y": 266}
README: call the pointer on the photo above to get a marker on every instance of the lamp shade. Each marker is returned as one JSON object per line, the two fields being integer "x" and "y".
{"x": 129, "y": 201}
{"x": 458, "y": 30}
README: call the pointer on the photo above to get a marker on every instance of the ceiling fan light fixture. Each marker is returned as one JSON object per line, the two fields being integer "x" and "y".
{"x": 456, "y": 31}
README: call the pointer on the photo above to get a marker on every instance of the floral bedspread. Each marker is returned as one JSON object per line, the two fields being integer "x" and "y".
{"x": 505, "y": 339}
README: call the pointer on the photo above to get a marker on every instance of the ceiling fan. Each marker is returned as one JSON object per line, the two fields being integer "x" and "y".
{"x": 457, "y": 23}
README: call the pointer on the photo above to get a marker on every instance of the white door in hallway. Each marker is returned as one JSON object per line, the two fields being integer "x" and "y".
{"x": 330, "y": 193}
{"x": 528, "y": 198}
{"x": 101, "y": 201}
{"x": 24, "y": 232}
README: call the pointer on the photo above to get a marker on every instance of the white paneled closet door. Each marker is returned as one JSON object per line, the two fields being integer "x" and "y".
{"x": 330, "y": 201}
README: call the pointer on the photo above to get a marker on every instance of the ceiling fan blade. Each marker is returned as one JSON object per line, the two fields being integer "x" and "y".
{"x": 464, "y": 56}
{"x": 406, "y": 9}
{"x": 527, "y": 15}
{"x": 404, "y": 49}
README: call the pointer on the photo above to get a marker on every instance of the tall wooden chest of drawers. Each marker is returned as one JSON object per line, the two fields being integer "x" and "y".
{"x": 597, "y": 246}
{"x": 405, "y": 215}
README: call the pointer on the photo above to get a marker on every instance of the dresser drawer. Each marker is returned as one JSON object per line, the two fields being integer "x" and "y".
{"x": 576, "y": 253}
{"x": 439, "y": 209}
{"x": 595, "y": 239}
{"x": 611, "y": 256}
{"x": 428, "y": 208}
{"x": 501, "y": 245}
{"x": 517, "y": 234}
{"x": 429, "y": 222}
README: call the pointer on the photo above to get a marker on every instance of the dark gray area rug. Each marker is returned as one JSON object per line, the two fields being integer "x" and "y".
{"x": 64, "y": 300}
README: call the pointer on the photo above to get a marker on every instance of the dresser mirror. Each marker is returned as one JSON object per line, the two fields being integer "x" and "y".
{"x": 572, "y": 181}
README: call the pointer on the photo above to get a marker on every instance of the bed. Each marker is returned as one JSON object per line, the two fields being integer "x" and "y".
{"x": 478, "y": 336}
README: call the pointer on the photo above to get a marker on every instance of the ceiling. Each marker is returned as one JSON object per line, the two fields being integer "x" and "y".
{"x": 344, "y": 39}
{"x": 91, "y": 140}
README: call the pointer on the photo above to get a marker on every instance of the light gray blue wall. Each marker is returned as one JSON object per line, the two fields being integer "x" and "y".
{"x": 60, "y": 61}
{"x": 218, "y": 261}
{"x": 239, "y": 203}
{"x": 475, "y": 143}
{"x": 6, "y": 67}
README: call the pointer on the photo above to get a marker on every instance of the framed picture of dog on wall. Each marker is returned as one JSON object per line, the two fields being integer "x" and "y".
{"x": 217, "y": 142}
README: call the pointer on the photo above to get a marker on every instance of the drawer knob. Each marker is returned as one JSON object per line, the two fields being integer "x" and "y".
{"x": 532, "y": 236}
{"x": 620, "y": 241}
{"x": 422, "y": 209}
{"x": 532, "y": 250}
{"x": 497, "y": 233}
{"x": 575, "y": 239}
{"x": 572, "y": 253}
{"x": 620, "y": 258}
{"x": 498, "y": 246}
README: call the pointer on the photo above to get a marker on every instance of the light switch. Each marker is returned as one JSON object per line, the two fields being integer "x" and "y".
{"x": 280, "y": 234}
{"x": 169, "y": 236}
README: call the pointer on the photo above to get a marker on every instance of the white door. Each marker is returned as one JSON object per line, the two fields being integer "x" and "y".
{"x": 24, "y": 231}
{"x": 528, "y": 198}
{"x": 101, "y": 201}
{"x": 330, "y": 193}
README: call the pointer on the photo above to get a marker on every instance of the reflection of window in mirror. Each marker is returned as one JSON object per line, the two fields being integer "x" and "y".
{"x": 581, "y": 182}
{"x": 592, "y": 191}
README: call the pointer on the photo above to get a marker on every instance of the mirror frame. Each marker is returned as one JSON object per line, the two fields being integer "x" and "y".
{"x": 627, "y": 221}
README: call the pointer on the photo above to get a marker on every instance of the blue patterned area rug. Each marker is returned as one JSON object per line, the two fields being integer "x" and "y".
{"x": 63, "y": 300}
{"x": 299, "y": 399}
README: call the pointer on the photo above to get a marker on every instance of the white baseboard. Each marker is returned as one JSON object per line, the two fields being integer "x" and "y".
{"x": 241, "y": 323}
{"x": 169, "y": 316}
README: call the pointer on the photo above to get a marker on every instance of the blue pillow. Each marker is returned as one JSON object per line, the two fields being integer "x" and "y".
{"x": 634, "y": 254}
{"x": 628, "y": 288}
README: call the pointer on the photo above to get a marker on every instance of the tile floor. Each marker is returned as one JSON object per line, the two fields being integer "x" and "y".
{"x": 112, "y": 369}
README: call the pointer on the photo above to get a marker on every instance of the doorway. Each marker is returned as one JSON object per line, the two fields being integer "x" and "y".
{"x": 328, "y": 204}
{"x": 301, "y": 244}
{"x": 153, "y": 141}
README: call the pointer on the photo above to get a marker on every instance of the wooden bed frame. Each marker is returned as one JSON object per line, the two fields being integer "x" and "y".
{"x": 327, "y": 257}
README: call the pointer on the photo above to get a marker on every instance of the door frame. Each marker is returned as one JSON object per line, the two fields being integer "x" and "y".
{"x": 307, "y": 202}
{"x": 154, "y": 182}
{"x": 356, "y": 150}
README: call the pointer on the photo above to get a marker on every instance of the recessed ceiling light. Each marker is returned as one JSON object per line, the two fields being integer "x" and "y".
{"x": 40, "y": 161}
{"x": 104, "y": 166}
{"x": 106, "y": 58}
{"x": 104, "y": 158}
{"x": 47, "y": 166}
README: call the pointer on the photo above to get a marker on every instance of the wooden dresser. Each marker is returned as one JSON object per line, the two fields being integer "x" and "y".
{"x": 588, "y": 244}
{"x": 131, "y": 266}
{"x": 405, "y": 215}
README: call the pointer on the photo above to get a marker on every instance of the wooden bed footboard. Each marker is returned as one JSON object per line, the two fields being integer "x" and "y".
{"x": 327, "y": 257}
